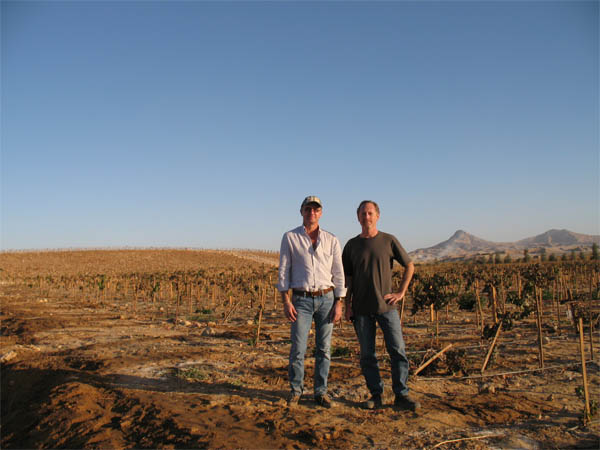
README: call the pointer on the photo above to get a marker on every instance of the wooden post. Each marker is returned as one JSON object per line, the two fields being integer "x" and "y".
{"x": 590, "y": 311}
{"x": 494, "y": 304}
{"x": 260, "y": 314}
{"x": 584, "y": 371}
{"x": 556, "y": 302}
{"x": 437, "y": 331}
{"x": 177, "y": 307}
{"x": 591, "y": 338}
{"x": 489, "y": 353}
{"x": 479, "y": 305}
{"x": 433, "y": 358}
{"x": 539, "y": 326}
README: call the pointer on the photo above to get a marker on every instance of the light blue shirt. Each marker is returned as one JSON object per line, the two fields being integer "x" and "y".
{"x": 311, "y": 269}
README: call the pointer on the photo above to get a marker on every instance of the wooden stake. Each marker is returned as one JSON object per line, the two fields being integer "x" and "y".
{"x": 437, "y": 331}
{"x": 584, "y": 371}
{"x": 479, "y": 305}
{"x": 539, "y": 325}
{"x": 177, "y": 307}
{"x": 489, "y": 353}
{"x": 433, "y": 358}
{"x": 591, "y": 338}
{"x": 494, "y": 304}
{"x": 260, "y": 314}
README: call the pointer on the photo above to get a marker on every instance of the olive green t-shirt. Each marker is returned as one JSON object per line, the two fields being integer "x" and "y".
{"x": 369, "y": 262}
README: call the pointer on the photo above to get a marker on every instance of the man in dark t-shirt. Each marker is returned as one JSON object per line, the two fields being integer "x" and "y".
{"x": 368, "y": 260}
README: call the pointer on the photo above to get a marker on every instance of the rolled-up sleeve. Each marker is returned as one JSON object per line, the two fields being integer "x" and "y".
{"x": 285, "y": 266}
{"x": 337, "y": 270}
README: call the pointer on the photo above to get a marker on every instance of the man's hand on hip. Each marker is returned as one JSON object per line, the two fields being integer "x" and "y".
{"x": 393, "y": 298}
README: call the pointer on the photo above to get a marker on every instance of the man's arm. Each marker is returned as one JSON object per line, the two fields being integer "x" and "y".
{"x": 288, "y": 307}
{"x": 285, "y": 269}
{"x": 337, "y": 272}
{"x": 348, "y": 314}
{"x": 394, "y": 298}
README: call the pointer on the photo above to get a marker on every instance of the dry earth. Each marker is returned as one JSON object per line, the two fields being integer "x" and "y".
{"x": 87, "y": 374}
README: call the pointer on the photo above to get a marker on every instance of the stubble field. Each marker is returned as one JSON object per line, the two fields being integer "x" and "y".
{"x": 188, "y": 349}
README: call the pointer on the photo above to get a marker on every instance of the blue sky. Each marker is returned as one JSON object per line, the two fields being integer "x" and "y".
{"x": 204, "y": 124}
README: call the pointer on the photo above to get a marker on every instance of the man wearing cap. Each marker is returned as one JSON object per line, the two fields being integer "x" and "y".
{"x": 368, "y": 260}
{"x": 310, "y": 264}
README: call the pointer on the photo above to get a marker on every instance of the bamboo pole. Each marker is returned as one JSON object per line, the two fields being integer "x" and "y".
{"x": 489, "y": 353}
{"x": 583, "y": 370}
{"x": 433, "y": 358}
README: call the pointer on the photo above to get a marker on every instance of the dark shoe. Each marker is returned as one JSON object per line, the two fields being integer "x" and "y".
{"x": 323, "y": 400}
{"x": 404, "y": 402}
{"x": 293, "y": 399}
{"x": 373, "y": 403}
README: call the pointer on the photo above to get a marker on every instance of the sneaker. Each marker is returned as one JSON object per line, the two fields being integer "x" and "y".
{"x": 323, "y": 400}
{"x": 404, "y": 402}
{"x": 373, "y": 403}
{"x": 293, "y": 399}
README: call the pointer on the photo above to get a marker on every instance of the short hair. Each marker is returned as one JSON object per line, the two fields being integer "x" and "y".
{"x": 364, "y": 202}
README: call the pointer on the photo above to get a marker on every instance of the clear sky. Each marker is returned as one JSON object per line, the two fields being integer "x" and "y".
{"x": 205, "y": 124}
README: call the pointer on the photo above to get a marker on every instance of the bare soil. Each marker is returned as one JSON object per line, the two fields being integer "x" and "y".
{"x": 83, "y": 373}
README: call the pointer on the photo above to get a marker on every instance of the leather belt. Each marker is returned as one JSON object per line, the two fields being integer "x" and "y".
{"x": 312, "y": 294}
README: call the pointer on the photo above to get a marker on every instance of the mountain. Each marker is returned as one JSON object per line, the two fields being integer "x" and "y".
{"x": 463, "y": 245}
{"x": 554, "y": 238}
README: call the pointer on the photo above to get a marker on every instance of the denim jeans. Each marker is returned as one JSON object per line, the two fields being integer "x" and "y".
{"x": 394, "y": 342}
{"x": 319, "y": 309}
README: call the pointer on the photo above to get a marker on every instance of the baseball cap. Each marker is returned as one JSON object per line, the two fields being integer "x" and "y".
{"x": 311, "y": 199}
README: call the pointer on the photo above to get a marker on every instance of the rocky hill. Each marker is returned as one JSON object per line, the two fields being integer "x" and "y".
{"x": 462, "y": 245}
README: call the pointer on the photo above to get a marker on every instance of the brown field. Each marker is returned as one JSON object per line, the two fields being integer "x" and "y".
{"x": 188, "y": 349}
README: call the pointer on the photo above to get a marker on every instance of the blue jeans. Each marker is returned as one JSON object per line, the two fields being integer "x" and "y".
{"x": 319, "y": 309}
{"x": 394, "y": 343}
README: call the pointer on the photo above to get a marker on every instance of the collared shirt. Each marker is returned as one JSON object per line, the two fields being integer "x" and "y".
{"x": 311, "y": 269}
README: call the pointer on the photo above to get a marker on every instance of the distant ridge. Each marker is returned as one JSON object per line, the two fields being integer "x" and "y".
{"x": 462, "y": 245}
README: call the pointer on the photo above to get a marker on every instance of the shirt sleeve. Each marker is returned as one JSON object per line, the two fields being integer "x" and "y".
{"x": 285, "y": 265}
{"x": 347, "y": 261}
{"x": 400, "y": 254}
{"x": 337, "y": 270}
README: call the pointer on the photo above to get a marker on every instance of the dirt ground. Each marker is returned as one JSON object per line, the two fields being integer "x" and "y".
{"x": 92, "y": 374}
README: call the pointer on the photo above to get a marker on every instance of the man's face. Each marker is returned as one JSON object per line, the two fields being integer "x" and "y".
{"x": 311, "y": 213}
{"x": 367, "y": 215}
